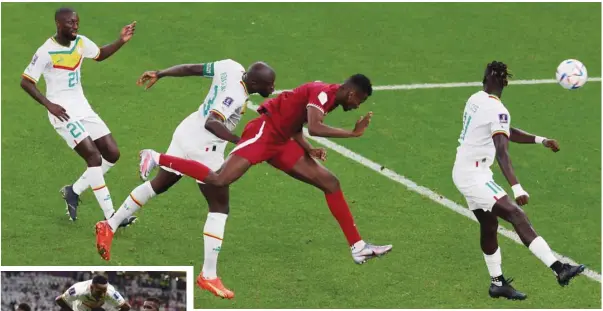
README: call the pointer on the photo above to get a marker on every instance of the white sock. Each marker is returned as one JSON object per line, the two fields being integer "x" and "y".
{"x": 358, "y": 246}
{"x": 494, "y": 262}
{"x": 213, "y": 233}
{"x": 137, "y": 198}
{"x": 541, "y": 249}
{"x": 94, "y": 175}
{"x": 82, "y": 184}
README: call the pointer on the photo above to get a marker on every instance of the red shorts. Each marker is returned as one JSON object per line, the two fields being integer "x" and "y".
{"x": 260, "y": 142}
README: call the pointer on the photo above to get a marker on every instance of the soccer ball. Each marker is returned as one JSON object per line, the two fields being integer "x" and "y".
{"x": 571, "y": 74}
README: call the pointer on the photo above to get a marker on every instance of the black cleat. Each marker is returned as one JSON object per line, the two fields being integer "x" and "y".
{"x": 569, "y": 272}
{"x": 126, "y": 222}
{"x": 506, "y": 291}
{"x": 72, "y": 201}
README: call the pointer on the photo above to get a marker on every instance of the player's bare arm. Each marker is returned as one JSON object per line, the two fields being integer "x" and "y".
{"x": 61, "y": 303}
{"x": 184, "y": 70}
{"x": 125, "y": 35}
{"x": 501, "y": 143}
{"x": 31, "y": 88}
{"x": 316, "y": 127}
{"x": 317, "y": 153}
{"x": 523, "y": 137}
{"x": 215, "y": 124}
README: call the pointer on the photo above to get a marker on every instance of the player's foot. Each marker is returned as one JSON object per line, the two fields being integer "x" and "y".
{"x": 569, "y": 272}
{"x": 370, "y": 251}
{"x": 506, "y": 291}
{"x": 147, "y": 163}
{"x": 214, "y": 286}
{"x": 104, "y": 238}
{"x": 126, "y": 222}
{"x": 72, "y": 201}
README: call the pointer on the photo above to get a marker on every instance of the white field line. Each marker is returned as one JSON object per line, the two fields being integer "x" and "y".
{"x": 456, "y": 84}
{"x": 411, "y": 185}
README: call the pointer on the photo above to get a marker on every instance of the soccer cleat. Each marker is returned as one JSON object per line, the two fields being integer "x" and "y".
{"x": 214, "y": 286}
{"x": 72, "y": 201}
{"x": 569, "y": 272}
{"x": 370, "y": 251}
{"x": 104, "y": 238}
{"x": 147, "y": 163}
{"x": 126, "y": 222}
{"x": 506, "y": 291}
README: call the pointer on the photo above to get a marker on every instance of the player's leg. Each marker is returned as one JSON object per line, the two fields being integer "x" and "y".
{"x": 508, "y": 210}
{"x": 213, "y": 235}
{"x": 295, "y": 162}
{"x": 499, "y": 287}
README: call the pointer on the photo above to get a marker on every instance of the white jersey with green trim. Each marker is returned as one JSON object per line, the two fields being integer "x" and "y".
{"x": 484, "y": 116}
{"x": 227, "y": 95}
{"x": 61, "y": 67}
{"x": 80, "y": 297}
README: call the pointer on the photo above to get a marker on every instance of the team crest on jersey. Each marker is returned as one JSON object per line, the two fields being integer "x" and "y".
{"x": 503, "y": 118}
{"x": 72, "y": 291}
{"x": 227, "y": 101}
{"x": 322, "y": 97}
{"x": 116, "y": 296}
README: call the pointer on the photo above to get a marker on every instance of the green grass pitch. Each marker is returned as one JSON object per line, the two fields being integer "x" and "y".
{"x": 282, "y": 249}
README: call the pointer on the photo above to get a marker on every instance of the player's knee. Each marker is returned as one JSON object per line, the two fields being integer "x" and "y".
{"x": 112, "y": 155}
{"x": 94, "y": 158}
{"x": 330, "y": 183}
{"x": 518, "y": 216}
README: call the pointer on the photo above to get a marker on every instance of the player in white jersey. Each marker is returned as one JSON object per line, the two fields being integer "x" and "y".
{"x": 202, "y": 137}
{"x": 59, "y": 60}
{"x": 485, "y": 135}
{"x": 92, "y": 294}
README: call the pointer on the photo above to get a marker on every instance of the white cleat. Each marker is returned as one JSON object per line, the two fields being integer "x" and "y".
{"x": 370, "y": 251}
{"x": 147, "y": 163}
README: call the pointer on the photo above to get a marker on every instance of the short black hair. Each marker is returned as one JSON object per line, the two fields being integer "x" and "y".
{"x": 362, "y": 83}
{"x": 99, "y": 279}
{"x": 499, "y": 70}
{"x": 61, "y": 11}
{"x": 24, "y": 307}
{"x": 155, "y": 300}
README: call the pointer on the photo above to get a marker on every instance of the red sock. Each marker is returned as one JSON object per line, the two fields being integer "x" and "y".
{"x": 340, "y": 210}
{"x": 190, "y": 168}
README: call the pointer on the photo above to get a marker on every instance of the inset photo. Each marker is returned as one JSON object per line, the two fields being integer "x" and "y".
{"x": 94, "y": 290}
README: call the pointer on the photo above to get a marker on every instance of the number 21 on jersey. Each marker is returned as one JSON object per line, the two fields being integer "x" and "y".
{"x": 74, "y": 78}
{"x": 469, "y": 111}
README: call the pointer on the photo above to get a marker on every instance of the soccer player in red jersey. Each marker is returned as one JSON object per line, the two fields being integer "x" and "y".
{"x": 276, "y": 137}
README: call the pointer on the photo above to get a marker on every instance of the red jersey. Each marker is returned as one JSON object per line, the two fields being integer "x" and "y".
{"x": 288, "y": 111}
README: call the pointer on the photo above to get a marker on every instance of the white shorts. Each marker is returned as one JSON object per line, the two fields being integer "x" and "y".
{"x": 192, "y": 141}
{"x": 478, "y": 187}
{"x": 76, "y": 130}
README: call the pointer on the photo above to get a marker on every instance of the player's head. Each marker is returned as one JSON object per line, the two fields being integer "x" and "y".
{"x": 23, "y": 307}
{"x": 260, "y": 78}
{"x": 496, "y": 75}
{"x": 151, "y": 304}
{"x": 354, "y": 91}
{"x": 99, "y": 286}
{"x": 67, "y": 22}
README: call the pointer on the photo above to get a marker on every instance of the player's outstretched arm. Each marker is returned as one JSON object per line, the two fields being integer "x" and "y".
{"x": 61, "y": 303}
{"x": 125, "y": 35}
{"x": 522, "y": 137}
{"x": 316, "y": 127}
{"x": 501, "y": 143}
{"x": 317, "y": 153}
{"x": 30, "y": 88}
{"x": 215, "y": 124}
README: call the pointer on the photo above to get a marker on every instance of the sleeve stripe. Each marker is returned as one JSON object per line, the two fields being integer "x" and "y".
{"x": 218, "y": 113}
{"x": 28, "y": 78}
{"x": 500, "y": 132}
{"x": 97, "y": 54}
{"x": 316, "y": 106}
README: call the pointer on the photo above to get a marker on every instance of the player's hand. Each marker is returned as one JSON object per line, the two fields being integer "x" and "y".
{"x": 551, "y": 144}
{"x": 58, "y": 111}
{"x": 149, "y": 77}
{"x": 362, "y": 124}
{"x": 127, "y": 32}
{"x": 521, "y": 196}
{"x": 319, "y": 153}
{"x": 522, "y": 200}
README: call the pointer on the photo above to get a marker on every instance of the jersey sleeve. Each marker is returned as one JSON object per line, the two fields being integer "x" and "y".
{"x": 214, "y": 69}
{"x": 90, "y": 49}
{"x": 39, "y": 63}
{"x": 72, "y": 294}
{"x": 226, "y": 105}
{"x": 318, "y": 99}
{"x": 115, "y": 298}
{"x": 500, "y": 122}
